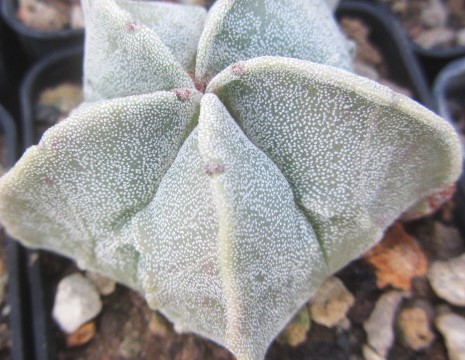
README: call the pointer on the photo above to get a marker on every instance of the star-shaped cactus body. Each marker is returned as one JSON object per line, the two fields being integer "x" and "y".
{"x": 224, "y": 167}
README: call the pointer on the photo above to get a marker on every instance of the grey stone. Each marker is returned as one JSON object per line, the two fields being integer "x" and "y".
{"x": 445, "y": 241}
{"x": 434, "y": 14}
{"x": 415, "y": 327}
{"x": 130, "y": 347}
{"x": 76, "y": 302}
{"x": 435, "y": 37}
{"x": 447, "y": 279}
{"x": 460, "y": 37}
{"x": 331, "y": 303}
{"x": 452, "y": 327}
{"x": 379, "y": 326}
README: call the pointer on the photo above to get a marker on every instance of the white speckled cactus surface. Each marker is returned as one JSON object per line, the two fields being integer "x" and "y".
{"x": 224, "y": 164}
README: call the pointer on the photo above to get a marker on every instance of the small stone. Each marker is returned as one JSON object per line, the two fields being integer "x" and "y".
{"x": 77, "y": 17}
{"x": 447, "y": 279}
{"x": 397, "y": 259}
{"x": 414, "y": 326}
{"x": 330, "y": 304}
{"x": 452, "y": 327}
{"x": 359, "y": 32}
{"x": 379, "y": 326}
{"x": 295, "y": 332}
{"x": 76, "y": 302}
{"x": 104, "y": 285}
{"x": 42, "y": 17}
{"x": 64, "y": 97}
{"x": 443, "y": 242}
{"x": 399, "y": 7}
{"x": 370, "y": 354}
{"x": 460, "y": 37}
{"x": 130, "y": 347}
{"x": 434, "y": 14}
{"x": 158, "y": 325}
{"x": 82, "y": 335}
{"x": 435, "y": 38}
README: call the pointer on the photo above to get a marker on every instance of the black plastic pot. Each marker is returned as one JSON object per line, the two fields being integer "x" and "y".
{"x": 65, "y": 65}
{"x": 450, "y": 83}
{"x": 13, "y": 63}
{"x": 404, "y": 68}
{"x": 18, "y": 291}
{"x": 449, "y": 86}
{"x": 38, "y": 43}
{"x": 431, "y": 60}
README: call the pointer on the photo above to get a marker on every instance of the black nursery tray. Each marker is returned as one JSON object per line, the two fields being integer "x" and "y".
{"x": 403, "y": 66}
{"x": 18, "y": 291}
{"x": 39, "y": 43}
{"x": 60, "y": 66}
{"x": 449, "y": 89}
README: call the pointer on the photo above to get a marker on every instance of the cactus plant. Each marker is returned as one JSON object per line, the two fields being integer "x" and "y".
{"x": 226, "y": 166}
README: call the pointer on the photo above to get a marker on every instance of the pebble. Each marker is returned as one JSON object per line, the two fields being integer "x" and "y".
{"x": 440, "y": 36}
{"x": 82, "y": 335}
{"x": 460, "y": 37}
{"x": 76, "y": 17}
{"x": 76, "y": 302}
{"x": 295, "y": 332}
{"x": 379, "y": 326}
{"x": 397, "y": 259}
{"x": 447, "y": 279}
{"x": 104, "y": 285}
{"x": 452, "y": 327}
{"x": 434, "y": 14}
{"x": 415, "y": 327}
{"x": 158, "y": 325}
{"x": 130, "y": 347}
{"x": 330, "y": 304}
{"x": 42, "y": 17}
{"x": 444, "y": 241}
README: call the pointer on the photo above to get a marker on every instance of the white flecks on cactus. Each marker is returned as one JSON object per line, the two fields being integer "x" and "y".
{"x": 125, "y": 57}
{"x": 343, "y": 142}
{"x": 91, "y": 173}
{"x": 178, "y": 27}
{"x": 244, "y": 29}
{"x": 226, "y": 210}
{"x": 264, "y": 241}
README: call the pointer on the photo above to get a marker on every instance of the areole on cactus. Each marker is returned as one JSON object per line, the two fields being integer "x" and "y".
{"x": 223, "y": 165}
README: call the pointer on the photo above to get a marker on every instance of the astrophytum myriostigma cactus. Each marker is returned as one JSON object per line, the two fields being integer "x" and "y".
{"x": 223, "y": 165}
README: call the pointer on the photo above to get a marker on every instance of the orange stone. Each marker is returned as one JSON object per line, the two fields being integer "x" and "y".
{"x": 82, "y": 335}
{"x": 397, "y": 259}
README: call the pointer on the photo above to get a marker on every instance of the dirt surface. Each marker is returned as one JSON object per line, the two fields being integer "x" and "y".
{"x": 50, "y": 15}
{"x": 432, "y": 23}
{"x": 128, "y": 329}
{"x": 54, "y": 105}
